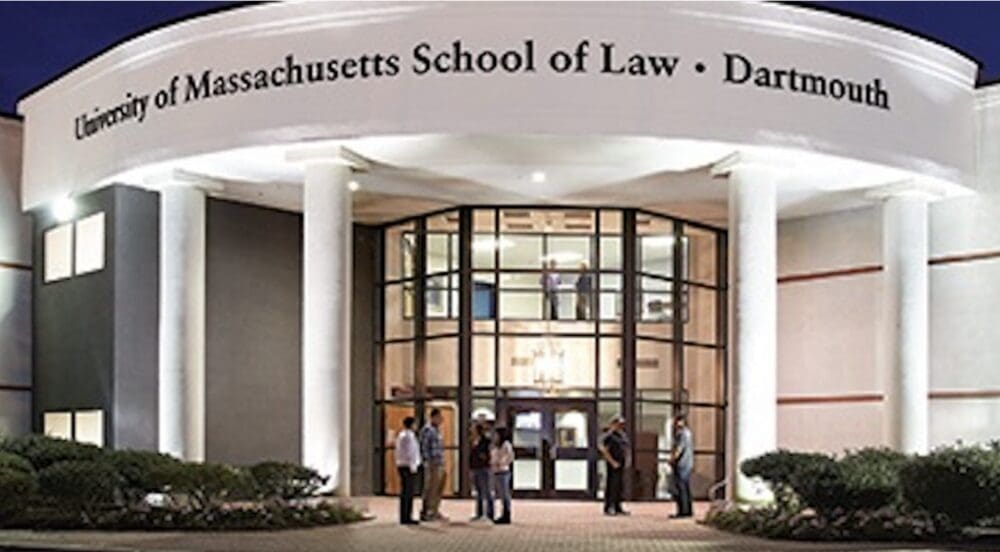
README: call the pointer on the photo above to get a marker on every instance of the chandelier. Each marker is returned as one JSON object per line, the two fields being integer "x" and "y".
{"x": 548, "y": 363}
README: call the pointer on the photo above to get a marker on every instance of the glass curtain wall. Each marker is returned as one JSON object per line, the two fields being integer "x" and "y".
{"x": 551, "y": 313}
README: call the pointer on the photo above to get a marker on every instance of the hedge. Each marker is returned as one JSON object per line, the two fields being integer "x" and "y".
{"x": 872, "y": 493}
{"x": 48, "y": 483}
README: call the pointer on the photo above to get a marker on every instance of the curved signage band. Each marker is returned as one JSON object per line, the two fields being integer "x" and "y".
{"x": 739, "y": 73}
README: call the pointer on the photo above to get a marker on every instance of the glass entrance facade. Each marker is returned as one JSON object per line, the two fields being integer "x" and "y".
{"x": 550, "y": 321}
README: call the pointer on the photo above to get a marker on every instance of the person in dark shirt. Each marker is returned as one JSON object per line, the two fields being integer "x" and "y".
{"x": 614, "y": 447}
{"x": 479, "y": 462}
{"x": 584, "y": 287}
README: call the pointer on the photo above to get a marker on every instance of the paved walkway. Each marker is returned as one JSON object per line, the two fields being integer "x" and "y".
{"x": 538, "y": 525}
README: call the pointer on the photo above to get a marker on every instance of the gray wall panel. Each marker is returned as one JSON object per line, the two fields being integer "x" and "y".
{"x": 136, "y": 239}
{"x": 253, "y": 333}
{"x": 74, "y": 326}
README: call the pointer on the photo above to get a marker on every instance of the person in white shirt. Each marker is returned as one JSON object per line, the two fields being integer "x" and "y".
{"x": 501, "y": 457}
{"x": 408, "y": 464}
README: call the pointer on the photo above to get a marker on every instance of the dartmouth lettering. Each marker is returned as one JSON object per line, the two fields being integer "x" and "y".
{"x": 740, "y": 70}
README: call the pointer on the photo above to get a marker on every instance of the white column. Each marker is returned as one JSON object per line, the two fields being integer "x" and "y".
{"x": 182, "y": 322}
{"x": 905, "y": 319}
{"x": 326, "y": 294}
{"x": 753, "y": 284}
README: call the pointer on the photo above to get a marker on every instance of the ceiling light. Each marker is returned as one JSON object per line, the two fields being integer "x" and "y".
{"x": 353, "y": 185}
{"x": 64, "y": 209}
{"x": 538, "y": 177}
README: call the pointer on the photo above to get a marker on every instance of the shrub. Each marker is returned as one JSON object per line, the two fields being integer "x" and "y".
{"x": 871, "y": 478}
{"x": 205, "y": 484}
{"x": 779, "y": 468}
{"x": 143, "y": 472}
{"x": 14, "y": 462}
{"x": 16, "y": 488}
{"x": 85, "y": 484}
{"x": 285, "y": 481}
{"x": 42, "y": 451}
{"x": 962, "y": 484}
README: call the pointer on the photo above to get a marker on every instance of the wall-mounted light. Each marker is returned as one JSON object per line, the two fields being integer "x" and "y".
{"x": 64, "y": 209}
{"x": 353, "y": 185}
{"x": 538, "y": 177}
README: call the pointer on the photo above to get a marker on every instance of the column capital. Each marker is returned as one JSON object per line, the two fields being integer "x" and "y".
{"x": 740, "y": 161}
{"x": 331, "y": 154}
{"x": 911, "y": 188}
{"x": 183, "y": 179}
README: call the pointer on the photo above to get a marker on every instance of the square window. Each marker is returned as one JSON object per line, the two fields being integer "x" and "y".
{"x": 58, "y": 425}
{"x": 90, "y": 427}
{"x": 59, "y": 253}
{"x": 90, "y": 244}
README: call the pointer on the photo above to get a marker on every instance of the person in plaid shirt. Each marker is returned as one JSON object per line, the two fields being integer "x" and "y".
{"x": 432, "y": 453}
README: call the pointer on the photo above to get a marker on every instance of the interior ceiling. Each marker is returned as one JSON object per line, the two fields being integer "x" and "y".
{"x": 410, "y": 175}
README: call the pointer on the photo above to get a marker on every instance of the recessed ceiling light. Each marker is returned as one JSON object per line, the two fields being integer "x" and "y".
{"x": 353, "y": 185}
{"x": 538, "y": 177}
{"x": 63, "y": 209}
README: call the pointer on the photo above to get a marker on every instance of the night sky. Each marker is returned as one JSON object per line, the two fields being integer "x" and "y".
{"x": 39, "y": 40}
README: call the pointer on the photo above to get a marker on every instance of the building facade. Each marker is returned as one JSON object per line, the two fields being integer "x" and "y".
{"x": 275, "y": 231}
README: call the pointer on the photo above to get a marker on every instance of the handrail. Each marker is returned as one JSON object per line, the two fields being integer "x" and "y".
{"x": 716, "y": 486}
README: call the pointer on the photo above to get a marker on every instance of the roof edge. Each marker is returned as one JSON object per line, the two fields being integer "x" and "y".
{"x": 887, "y": 25}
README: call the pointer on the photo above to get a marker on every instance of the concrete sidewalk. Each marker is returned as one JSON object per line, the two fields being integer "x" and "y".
{"x": 542, "y": 526}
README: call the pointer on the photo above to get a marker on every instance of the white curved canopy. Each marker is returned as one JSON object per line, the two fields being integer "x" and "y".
{"x": 846, "y": 105}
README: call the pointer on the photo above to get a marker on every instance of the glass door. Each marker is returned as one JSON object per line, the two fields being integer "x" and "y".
{"x": 553, "y": 447}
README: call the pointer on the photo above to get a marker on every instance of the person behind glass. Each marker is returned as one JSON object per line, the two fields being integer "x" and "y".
{"x": 614, "y": 447}
{"x": 682, "y": 462}
{"x": 432, "y": 453}
{"x": 550, "y": 287}
{"x": 584, "y": 286}
{"x": 479, "y": 462}
{"x": 501, "y": 458}
{"x": 407, "y": 452}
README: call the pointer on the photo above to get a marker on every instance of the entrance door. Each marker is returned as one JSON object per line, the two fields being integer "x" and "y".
{"x": 554, "y": 447}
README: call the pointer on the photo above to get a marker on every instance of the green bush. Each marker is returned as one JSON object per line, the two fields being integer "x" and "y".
{"x": 143, "y": 472}
{"x": 780, "y": 468}
{"x": 205, "y": 484}
{"x": 871, "y": 478}
{"x": 14, "y": 462}
{"x": 42, "y": 451}
{"x": 17, "y": 487}
{"x": 961, "y": 484}
{"x": 80, "y": 483}
{"x": 285, "y": 481}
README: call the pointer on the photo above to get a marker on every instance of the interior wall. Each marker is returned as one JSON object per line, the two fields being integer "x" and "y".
{"x": 15, "y": 288}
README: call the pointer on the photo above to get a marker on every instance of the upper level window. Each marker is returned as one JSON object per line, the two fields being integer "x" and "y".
{"x": 90, "y": 244}
{"x": 59, "y": 253}
{"x": 74, "y": 248}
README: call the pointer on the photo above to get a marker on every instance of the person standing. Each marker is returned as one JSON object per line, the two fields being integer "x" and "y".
{"x": 501, "y": 458}
{"x": 550, "y": 290}
{"x": 479, "y": 462}
{"x": 682, "y": 462}
{"x": 584, "y": 287}
{"x": 614, "y": 447}
{"x": 432, "y": 452}
{"x": 407, "y": 453}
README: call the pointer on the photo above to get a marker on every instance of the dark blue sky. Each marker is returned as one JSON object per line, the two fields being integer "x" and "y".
{"x": 39, "y": 40}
